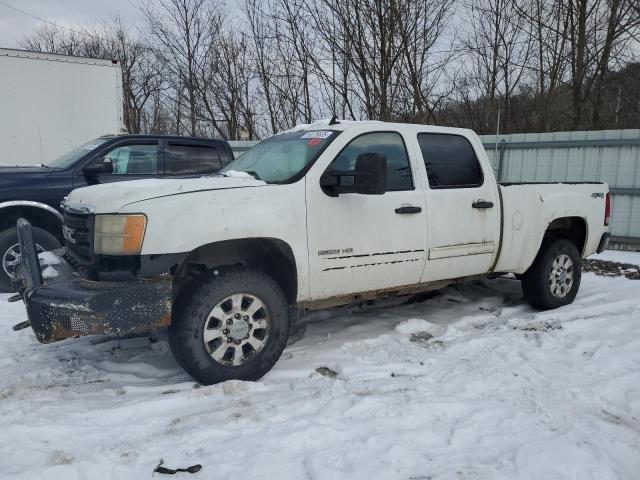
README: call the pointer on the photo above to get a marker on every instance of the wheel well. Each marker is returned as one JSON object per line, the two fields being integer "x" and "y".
{"x": 573, "y": 229}
{"x": 270, "y": 255}
{"x": 38, "y": 217}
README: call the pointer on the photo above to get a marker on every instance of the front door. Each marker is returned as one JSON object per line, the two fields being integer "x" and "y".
{"x": 463, "y": 208}
{"x": 132, "y": 160}
{"x": 357, "y": 242}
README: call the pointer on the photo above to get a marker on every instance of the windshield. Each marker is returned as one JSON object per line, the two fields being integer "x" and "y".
{"x": 281, "y": 157}
{"x": 74, "y": 155}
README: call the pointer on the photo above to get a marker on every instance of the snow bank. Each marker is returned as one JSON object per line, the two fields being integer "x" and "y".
{"x": 49, "y": 258}
{"x": 415, "y": 326}
{"x": 618, "y": 256}
{"x": 500, "y": 392}
{"x": 49, "y": 272}
{"x": 240, "y": 174}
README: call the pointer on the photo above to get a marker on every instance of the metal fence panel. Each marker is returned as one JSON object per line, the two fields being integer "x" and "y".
{"x": 611, "y": 156}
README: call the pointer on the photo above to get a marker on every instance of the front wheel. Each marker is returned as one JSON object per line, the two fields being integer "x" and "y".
{"x": 554, "y": 277}
{"x": 233, "y": 325}
{"x": 10, "y": 252}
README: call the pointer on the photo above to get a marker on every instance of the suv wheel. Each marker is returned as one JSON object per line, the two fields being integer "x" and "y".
{"x": 231, "y": 325}
{"x": 554, "y": 277}
{"x": 10, "y": 252}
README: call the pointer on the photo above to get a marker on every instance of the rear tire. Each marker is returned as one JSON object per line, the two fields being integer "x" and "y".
{"x": 554, "y": 277}
{"x": 9, "y": 250}
{"x": 232, "y": 324}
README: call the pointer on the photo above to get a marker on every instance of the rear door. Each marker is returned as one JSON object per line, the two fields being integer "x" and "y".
{"x": 463, "y": 206}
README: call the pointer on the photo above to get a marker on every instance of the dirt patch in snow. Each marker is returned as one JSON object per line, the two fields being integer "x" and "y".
{"x": 327, "y": 372}
{"x": 611, "y": 269}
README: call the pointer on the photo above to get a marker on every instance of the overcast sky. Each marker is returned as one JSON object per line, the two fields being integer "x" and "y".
{"x": 14, "y": 25}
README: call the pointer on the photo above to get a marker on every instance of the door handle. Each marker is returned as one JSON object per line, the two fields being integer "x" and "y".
{"x": 408, "y": 209}
{"x": 482, "y": 204}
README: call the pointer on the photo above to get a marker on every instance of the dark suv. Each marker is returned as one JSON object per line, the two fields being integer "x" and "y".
{"x": 35, "y": 192}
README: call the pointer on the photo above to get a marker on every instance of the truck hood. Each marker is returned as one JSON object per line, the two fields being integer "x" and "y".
{"x": 110, "y": 197}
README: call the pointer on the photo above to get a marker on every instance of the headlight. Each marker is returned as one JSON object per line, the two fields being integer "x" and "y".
{"x": 119, "y": 234}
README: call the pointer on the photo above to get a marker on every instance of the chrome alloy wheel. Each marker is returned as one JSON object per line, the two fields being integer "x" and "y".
{"x": 12, "y": 257}
{"x": 561, "y": 276}
{"x": 236, "y": 329}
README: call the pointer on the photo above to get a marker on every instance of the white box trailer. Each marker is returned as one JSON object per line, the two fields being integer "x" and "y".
{"x": 50, "y": 104}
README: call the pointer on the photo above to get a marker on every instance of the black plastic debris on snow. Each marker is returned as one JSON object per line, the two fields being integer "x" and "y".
{"x": 172, "y": 471}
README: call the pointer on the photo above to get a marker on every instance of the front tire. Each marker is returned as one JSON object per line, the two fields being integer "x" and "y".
{"x": 554, "y": 277}
{"x": 10, "y": 252}
{"x": 233, "y": 324}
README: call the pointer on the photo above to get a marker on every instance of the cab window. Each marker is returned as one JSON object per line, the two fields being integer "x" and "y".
{"x": 450, "y": 161}
{"x": 134, "y": 160}
{"x": 389, "y": 144}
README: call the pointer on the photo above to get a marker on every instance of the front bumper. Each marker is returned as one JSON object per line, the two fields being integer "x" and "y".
{"x": 69, "y": 306}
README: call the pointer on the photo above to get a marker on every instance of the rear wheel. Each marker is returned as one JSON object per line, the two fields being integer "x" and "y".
{"x": 10, "y": 252}
{"x": 554, "y": 277}
{"x": 231, "y": 325}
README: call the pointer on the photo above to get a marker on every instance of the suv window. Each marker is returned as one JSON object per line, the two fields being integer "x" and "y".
{"x": 209, "y": 160}
{"x": 450, "y": 161}
{"x": 192, "y": 159}
{"x": 389, "y": 144}
{"x": 134, "y": 160}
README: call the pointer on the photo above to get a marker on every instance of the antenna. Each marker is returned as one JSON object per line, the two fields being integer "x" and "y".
{"x": 497, "y": 134}
{"x": 333, "y": 120}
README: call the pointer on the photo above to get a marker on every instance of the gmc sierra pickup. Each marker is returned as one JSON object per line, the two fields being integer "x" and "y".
{"x": 325, "y": 214}
{"x": 35, "y": 192}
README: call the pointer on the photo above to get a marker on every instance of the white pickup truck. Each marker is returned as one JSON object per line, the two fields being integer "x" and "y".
{"x": 326, "y": 214}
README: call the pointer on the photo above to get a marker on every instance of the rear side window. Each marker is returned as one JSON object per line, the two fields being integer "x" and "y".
{"x": 208, "y": 160}
{"x": 192, "y": 160}
{"x": 450, "y": 161}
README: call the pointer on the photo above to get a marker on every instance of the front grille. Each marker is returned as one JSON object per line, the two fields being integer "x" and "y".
{"x": 78, "y": 234}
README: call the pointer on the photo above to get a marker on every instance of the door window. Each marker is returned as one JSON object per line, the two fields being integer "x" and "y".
{"x": 134, "y": 160}
{"x": 450, "y": 161}
{"x": 389, "y": 144}
{"x": 192, "y": 160}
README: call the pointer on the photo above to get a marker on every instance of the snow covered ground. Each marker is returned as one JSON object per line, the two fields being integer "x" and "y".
{"x": 618, "y": 256}
{"x": 471, "y": 384}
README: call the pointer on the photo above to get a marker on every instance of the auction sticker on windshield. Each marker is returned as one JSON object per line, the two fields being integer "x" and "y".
{"x": 318, "y": 134}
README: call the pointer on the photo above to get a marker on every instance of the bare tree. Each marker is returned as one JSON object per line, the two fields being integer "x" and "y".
{"x": 182, "y": 32}
{"x": 423, "y": 74}
{"x": 500, "y": 52}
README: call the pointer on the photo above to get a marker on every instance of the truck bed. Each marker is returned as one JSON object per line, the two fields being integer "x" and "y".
{"x": 528, "y": 208}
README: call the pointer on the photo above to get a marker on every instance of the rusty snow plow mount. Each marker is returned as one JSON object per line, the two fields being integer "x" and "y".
{"x": 70, "y": 305}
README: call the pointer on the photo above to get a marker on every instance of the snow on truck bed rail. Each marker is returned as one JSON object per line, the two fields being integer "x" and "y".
{"x": 469, "y": 384}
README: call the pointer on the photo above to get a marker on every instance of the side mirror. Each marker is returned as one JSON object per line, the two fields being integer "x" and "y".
{"x": 368, "y": 178}
{"x": 96, "y": 168}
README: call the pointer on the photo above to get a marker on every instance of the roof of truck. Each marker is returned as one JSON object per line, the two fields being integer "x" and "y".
{"x": 342, "y": 125}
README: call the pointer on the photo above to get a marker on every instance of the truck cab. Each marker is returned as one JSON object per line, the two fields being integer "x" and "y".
{"x": 325, "y": 214}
